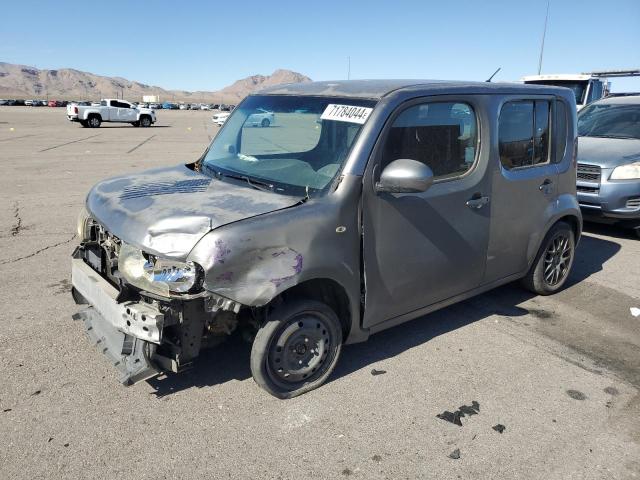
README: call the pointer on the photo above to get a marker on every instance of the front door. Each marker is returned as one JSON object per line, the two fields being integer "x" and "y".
{"x": 524, "y": 185}
{"x": 423, "y": 248}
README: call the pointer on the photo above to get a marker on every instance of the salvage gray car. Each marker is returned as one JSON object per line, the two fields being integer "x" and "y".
{"x": 609, "y": 161}
{"x": 372, "y": 203}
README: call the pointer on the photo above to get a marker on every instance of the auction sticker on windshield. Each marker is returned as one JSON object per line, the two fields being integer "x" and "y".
{"x": 346, "y": 113}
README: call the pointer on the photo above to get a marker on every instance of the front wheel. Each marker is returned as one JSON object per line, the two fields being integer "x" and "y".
{"x": 265, "y": 123}
{"x": 553, "y": 262}
{"x": 145, "y": 121}
{"x": 297, "y": 348}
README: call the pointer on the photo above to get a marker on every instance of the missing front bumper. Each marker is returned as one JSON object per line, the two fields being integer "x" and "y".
{"x": 130, "y": 355}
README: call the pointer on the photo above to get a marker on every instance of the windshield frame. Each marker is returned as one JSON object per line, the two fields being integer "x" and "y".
{"x": 279, "y": 187}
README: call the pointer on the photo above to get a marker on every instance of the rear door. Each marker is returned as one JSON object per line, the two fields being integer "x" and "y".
{"x": 524, "y": 184}
{"x": 423, "y": 248}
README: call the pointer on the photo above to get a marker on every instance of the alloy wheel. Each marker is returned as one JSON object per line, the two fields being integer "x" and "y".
{"x": 557, "y": 260}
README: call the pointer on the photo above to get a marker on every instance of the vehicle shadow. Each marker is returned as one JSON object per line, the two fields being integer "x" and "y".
{"x": 614, "y": 231}
{"x": 230, "y": 361}
{"x": 105, "y": 125}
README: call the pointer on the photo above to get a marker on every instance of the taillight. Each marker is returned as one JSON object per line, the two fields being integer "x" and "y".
{"x": 75, "y": 110}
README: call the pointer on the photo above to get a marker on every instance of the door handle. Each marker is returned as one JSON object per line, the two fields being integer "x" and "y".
{"x": 477, "y": 202}
{"x": 544, "y": 187}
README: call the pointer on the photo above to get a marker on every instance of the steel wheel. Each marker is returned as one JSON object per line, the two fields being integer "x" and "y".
{"x": 297, "y": 349}
{"x": 557, "y": 260}
{"x": 300, "y": 351}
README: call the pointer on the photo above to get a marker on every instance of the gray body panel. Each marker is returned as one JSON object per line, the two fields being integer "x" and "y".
{"x": 253, "y": 247}
{"x": 166, "y": 211}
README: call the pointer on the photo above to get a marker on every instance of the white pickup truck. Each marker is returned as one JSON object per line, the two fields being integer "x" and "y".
{"x": 111, "y": 110}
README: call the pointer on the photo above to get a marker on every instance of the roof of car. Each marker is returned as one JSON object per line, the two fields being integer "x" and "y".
{"x": 377, "y": 89}
{"x": 620, "y": 100}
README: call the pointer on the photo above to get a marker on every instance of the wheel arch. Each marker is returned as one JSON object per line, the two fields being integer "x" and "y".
{"x": 327, "y": 291}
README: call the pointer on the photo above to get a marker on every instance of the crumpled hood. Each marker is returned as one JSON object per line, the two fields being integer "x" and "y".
{"x": 166, "y": 211}
{"x": 608, "y": 152}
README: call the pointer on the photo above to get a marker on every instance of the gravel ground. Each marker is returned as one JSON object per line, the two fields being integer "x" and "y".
{"x": 560, "y": 373}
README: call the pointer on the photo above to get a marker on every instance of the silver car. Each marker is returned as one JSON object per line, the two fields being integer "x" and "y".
{"x": 372, "y": 203}
{"x": 609, "y": 161}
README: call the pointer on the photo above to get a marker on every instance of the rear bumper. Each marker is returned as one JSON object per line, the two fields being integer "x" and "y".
{"x": 73, "y": 118}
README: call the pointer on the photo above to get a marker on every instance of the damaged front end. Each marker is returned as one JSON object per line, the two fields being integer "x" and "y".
{"x": 144, "y": 328}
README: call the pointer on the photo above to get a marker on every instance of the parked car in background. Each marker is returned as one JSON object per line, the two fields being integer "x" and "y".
{"x": 28, "y": 103}
{"x": 223, "y": 107}
{"x": 3, "y": 101}
{"x": 111, "y": 110}
{"x": 170, "y": 106}
{"x": 183, "y": 106}
{"x": 53, "y": 103}
{"x": 220, "y": 118}
{"x": 155, "y": 106}
{"x": 261, "y": 118}
{"x": 205, "y": 106}
{"x": 407, "y": 197}
{"x": 609, "y": 161}
{"x": 194, "y": 106}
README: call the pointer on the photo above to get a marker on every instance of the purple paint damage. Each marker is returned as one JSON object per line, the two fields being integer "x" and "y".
{"x": 221, "y": 251}
{"x": 297, "y": 268}
{"x": 225, "y": 277}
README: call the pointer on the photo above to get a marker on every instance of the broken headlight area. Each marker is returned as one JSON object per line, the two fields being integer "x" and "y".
{"x": 158, "y": 275}
{"x": 147, "y": 314}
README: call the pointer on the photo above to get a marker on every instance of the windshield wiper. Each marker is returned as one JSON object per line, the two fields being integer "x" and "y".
{"x": 257, "y": 184}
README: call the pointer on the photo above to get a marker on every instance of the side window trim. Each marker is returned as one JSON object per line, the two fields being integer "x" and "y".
{"x": 414, "y": 102}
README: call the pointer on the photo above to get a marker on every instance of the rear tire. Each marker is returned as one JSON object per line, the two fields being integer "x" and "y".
{"x": 297, "y": 348}
{"x": 553, "y": 262}
{"x": 145, "y": 121}
{"x": 94, "y": 121}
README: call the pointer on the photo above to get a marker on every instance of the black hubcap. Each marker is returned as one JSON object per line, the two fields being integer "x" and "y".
{"x": 557, "y": 260}
{"x": 301, "y": 350}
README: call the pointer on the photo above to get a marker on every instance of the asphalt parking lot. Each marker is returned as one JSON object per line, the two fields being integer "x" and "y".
{"x": 561, "y": 373}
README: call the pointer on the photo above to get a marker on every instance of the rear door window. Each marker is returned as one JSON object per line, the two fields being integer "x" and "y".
{"x": 524, "y": 133}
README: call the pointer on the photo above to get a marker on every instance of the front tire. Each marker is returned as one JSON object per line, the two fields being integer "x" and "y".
{"x": 265, "y": 123}
{"x": 145, "y": 121}
{"x": 553, "y": 262}
{"x": 297, "y": 348}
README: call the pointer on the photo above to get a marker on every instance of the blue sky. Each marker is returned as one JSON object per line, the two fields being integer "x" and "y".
{"x": 207, "y": 45}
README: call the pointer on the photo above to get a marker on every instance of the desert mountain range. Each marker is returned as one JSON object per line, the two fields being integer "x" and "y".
{"x": 22, "y": 81}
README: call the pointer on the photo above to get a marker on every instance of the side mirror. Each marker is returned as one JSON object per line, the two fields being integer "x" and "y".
{"x": 405, "y": 176}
